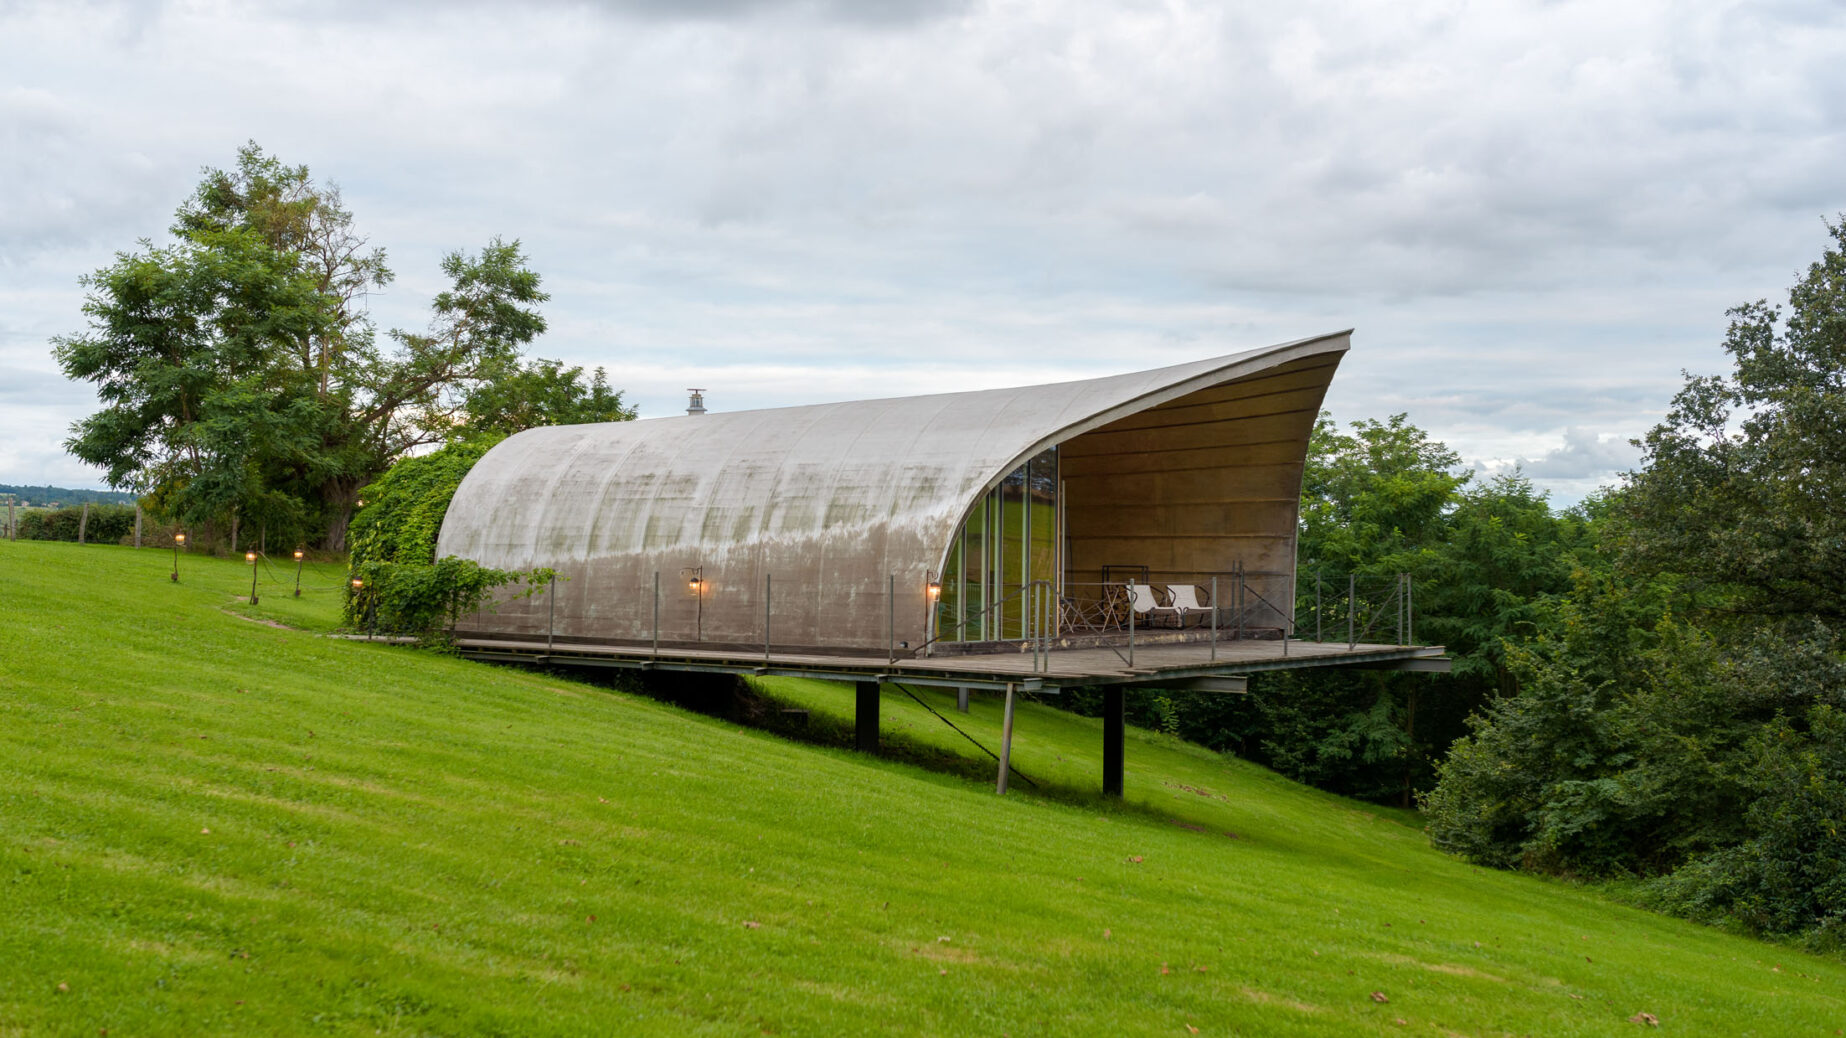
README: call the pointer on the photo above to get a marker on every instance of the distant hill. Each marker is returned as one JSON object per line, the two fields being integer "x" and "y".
{"x": 65, "y": 496}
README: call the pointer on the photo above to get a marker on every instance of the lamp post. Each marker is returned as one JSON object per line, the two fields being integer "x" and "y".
{"x": 179, "y": 541}
{"x": 250, "y": 557}
{"x": 298, "y": 554}
{"x": 696, "y": 585}
{"x": 371, "y": 617}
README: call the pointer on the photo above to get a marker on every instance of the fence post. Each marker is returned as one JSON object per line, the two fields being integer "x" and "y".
{"x": 12, "y": 529}
{"x": 767, "y": 578}
{"x": 138, "y": 527}
{"x": 83, "y": 524}
{"x": 891, "y": 617}
{"x": 551, "y": 607}
{"x": 656, "y": 612}
{"x": 1317, "y": 636}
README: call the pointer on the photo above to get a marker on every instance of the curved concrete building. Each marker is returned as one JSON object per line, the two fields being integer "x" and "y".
{"x": 929, "y": 524}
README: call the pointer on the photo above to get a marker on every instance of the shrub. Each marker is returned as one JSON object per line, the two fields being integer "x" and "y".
{"x": 108, "y": 524}
{"x": 425, "y": 598}
{"x": 404, "y": 507}
{"x": 407, "y": 589}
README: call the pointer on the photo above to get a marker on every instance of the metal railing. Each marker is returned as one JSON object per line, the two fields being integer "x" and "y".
{"x": 675, "y": 610}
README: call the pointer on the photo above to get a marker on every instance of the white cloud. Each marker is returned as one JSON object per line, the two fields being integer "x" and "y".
{"x": 1534, "y": 214}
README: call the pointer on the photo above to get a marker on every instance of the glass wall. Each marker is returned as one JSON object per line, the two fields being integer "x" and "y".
{"x": 1009, "y": 541}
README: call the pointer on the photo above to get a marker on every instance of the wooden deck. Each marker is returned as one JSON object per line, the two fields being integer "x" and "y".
{"x": 1151, "y": 664}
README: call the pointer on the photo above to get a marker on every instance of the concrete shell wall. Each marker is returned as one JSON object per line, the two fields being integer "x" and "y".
{"x": 818, "y": 511}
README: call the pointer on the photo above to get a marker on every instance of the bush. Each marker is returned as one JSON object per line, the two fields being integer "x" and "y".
{"x": 108, "y": 524}
{"x": 426, "y": 598}
{"x": 404, "y": 507}
{"x": 407, "y": 589}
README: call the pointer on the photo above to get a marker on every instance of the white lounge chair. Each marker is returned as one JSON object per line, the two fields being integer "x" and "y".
{"x": 1185, "y": 599}
{"x": 1143, "y": 602}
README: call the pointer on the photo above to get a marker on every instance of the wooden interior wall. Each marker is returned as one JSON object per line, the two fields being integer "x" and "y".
{"x": 1196, "y": 485}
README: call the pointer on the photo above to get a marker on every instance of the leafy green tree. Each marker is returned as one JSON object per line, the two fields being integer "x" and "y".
{"x": 240, "y": 373}
{"x": 1679, "y": 716}
{"x": 511, "y": 396}
{"x": 1741, "y": 485}
{"x": 1374, "y": 500}
{"x": 181, "y": 348}
{"x": 404, "y": 508}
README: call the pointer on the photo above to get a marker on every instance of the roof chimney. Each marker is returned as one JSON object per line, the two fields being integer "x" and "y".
{"x": 697, "y": 406}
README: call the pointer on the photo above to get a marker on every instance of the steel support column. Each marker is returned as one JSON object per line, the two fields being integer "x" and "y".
{"x": 1112, "y": 740}
{"x": 865, "y": 716}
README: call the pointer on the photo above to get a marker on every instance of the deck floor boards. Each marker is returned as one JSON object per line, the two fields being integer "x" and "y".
{"x": 1071, "y": 666}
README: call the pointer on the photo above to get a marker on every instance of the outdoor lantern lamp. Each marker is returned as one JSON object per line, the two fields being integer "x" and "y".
{"x": 250, "y": 557}
{"x": 298, "y": 554}
{"x": 934, "y": 589}
{"x": 696, "y": 584}
{"x": 179, "y": 541}
{"x": 370, "y": 609}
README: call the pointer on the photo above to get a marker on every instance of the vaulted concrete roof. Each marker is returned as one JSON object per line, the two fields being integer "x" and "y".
{"x": 829, "y": 499}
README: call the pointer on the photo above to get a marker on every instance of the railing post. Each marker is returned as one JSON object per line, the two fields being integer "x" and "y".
{"x": 1317, "y": 636}
{"x": 1243, "y": 601}
{"x": 1214, "y": 617}
{"x": 1038, "y": 626}
{"x": 656, "y": 612}
{"x": 767, "y": 577}
{"x": 1352, "y": 588}
{"x": 1410, "y": 616}
{"x": 1131, "y": 622}
{"x": 891, "y": 617}
{"x": 551, "y": 608}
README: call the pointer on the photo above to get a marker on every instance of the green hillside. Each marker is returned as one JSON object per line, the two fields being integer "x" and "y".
{"x": 213, "y": 824}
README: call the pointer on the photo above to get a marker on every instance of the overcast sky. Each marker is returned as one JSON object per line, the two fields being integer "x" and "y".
{"x": 1534, "y": 214}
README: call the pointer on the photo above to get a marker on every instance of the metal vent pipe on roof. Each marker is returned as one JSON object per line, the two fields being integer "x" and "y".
{"x": 697, "y": 406}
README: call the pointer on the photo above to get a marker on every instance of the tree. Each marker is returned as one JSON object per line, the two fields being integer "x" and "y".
{"x": 1741, "y": 486}
{"x": 182, "y": 347}
{"x": 510, "y": 397}
{"x": 1679, "y": 716}
{"x": 240, "y": 373}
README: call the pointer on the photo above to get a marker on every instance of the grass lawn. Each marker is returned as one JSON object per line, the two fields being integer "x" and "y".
{"x": 215, "y": 825}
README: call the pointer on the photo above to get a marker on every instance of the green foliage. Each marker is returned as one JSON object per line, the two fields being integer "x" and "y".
{"x": 1483, "y": 557}
{"x": 404, "y": 507}
{"x": 511, "y": 397}
{"x": 1374, "y": 501}
{"x": 1679, "y": 716}
{"x": 108, "y": 524}
{"x": 407, "y": 589}
{"x": 426, "y": 598}
{"x": 1742, "y": 482}
{"x": 181, "y": 347}
{"x": 240, "y": 374}
{"x": 373, "y": 839}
